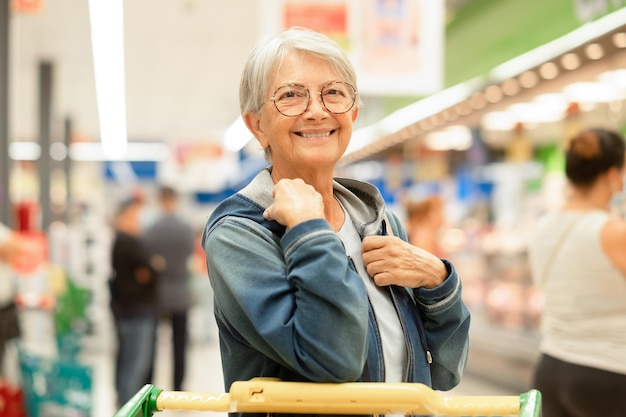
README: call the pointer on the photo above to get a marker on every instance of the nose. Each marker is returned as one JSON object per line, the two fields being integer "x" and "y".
{"x": 316, "y": 104}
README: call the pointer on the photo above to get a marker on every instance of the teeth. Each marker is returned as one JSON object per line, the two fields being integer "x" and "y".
{"x": 315, "y": 135}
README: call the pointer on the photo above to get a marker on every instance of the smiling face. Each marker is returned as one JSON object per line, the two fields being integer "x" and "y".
{"x": 314, "y": 140}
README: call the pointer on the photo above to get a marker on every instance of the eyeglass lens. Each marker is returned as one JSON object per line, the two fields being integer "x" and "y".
{"x": 293, "y": 99}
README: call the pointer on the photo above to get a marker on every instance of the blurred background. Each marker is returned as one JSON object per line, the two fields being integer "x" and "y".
{"x": 466, "y": 100}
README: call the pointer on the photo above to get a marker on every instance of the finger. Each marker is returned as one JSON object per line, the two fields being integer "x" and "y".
{"x": 382, "y": 279}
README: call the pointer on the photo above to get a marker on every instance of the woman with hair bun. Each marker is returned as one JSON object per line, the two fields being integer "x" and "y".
{"x": 577, "y": 260}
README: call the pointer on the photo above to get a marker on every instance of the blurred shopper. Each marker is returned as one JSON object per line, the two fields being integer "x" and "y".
{"x": 425, "y": 218}
{"x": 313, "y": 279}
{"x": 12, "y": 246}
{"x": 170, "y": 242}
{"x": 577, "y": 259}
{"x": 133, "y": 302}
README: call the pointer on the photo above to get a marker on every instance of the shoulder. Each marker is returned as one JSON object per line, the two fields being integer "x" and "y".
{"x": 613, "y": 239}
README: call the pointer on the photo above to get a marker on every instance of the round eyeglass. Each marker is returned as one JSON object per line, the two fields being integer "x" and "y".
{"x": 292, "y": 100}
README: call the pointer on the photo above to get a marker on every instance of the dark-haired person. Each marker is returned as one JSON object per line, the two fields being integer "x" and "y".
{"x": 313, "y": 278}
{"x": 577, "y": 258}
{"x": 133, "y": 301}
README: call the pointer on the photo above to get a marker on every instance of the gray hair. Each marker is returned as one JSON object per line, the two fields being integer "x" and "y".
{"x": 266, "y": 57}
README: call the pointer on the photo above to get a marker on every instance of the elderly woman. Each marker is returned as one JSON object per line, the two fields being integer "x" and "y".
{"x": 313, "y": 279}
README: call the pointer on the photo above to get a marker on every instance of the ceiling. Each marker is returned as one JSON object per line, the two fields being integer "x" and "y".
{"x": 579, "y": 56}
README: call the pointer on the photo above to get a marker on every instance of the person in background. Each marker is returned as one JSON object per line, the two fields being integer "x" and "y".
{"x": 577, "y": 261}
{"x": 425, "y": 218}
{"x": 12, "y": 246}
{"x": 313, "y": 278}
{"x": 133, "y": 302}
{"x": 170, "y": 242}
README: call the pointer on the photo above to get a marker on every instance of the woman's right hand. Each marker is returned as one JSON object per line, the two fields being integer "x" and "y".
{"x": 294, "y": 202}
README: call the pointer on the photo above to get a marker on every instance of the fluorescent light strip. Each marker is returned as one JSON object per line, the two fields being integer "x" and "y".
{"x": 92, "y": 151}
{"x": 24, "y": 151}
{"x": 237, "y": 136}
{"x": 107, "y": 38}
{"x": 135, "y": 151}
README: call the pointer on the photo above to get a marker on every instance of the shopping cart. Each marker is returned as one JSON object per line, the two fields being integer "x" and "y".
{"x": 266, "y": 395}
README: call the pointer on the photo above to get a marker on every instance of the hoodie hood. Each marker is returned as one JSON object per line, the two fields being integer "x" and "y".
{"x": 362, "y": 200}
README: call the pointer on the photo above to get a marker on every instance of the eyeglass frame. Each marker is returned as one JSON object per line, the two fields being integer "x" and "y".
{"x": 356, "y": 93}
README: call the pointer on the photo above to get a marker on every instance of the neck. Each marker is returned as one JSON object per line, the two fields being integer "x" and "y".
{"x": 323, "y": 184}
{"x": 592, "y": 199}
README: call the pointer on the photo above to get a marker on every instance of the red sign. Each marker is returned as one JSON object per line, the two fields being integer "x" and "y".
{"x": 34, "y": 255}
{"x": 27, "y": 6}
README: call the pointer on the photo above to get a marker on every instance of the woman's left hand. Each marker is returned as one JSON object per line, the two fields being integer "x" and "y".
{"x": 390, "y": 260}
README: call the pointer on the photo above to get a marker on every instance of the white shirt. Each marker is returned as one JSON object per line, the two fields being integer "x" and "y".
{"x": 584, "y": 313}
{"x": 394, "y": 350}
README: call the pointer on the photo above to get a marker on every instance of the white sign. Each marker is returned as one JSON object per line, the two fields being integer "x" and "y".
{"x": 396, "y": 46}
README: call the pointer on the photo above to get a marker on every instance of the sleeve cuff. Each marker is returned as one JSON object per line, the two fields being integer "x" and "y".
{"x": 449, "y": 287}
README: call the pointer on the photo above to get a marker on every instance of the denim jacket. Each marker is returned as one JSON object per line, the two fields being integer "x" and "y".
{"x": 290, "y": 304}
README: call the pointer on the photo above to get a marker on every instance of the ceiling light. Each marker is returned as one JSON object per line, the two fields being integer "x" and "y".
{"x": 493, "y": 94}
{"x": 478, "y": 101}
{"x": 529, "y": 79}
{"x": 498, "y": 120}
{"x": 594, "y": 51}
{"x": 510, "y": 87}
{"x": 537, "y": 112}
{"x": 619, "y": 40}
{"x": 570, "y": 61}
{"x": 457, "y": 138}
{"x": 107, "y": 39}
{"x": 616, "y": 78}
{"x": 554, "y": 99}
{"x": 135, "y": 151}
{"x": 237, "y": 136}
{"x": 549, "y": 71}
{"x": 464, "y": 108}
{"x": 592, "y": 92}
{"x": 24, "y": 151}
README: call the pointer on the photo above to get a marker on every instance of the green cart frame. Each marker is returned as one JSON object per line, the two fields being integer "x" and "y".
{"x": 265, "y": 395}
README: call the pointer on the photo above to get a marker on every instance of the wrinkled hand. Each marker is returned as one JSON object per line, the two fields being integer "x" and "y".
{"x": 294, "y": 202}
{"x": 390, "y": 260}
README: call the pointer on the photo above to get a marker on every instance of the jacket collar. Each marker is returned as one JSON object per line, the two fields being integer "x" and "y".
{"x": 362, "y": 200}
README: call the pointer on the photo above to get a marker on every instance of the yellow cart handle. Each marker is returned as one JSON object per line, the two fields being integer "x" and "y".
{"x": 262, "y": 395}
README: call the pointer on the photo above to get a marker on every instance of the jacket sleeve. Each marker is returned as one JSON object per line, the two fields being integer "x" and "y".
{"x": 446, "y": 323}
{"x": 295, "y": 299}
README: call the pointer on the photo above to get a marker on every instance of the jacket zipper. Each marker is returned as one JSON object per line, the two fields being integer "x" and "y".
{"x": 429, "y": 357}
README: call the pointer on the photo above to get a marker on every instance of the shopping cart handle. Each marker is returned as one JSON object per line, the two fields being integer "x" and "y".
{"x": 142, "y": 404}
{"x": 262, "y": 395}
